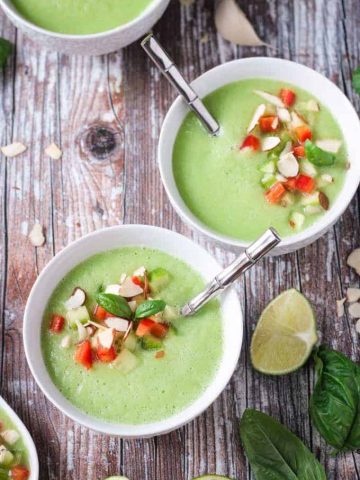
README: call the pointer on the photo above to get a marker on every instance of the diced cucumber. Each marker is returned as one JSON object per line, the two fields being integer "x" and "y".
{"x": 268, "y": 180}
{"x": 307, "y": 168}
{"x": 10, "y": 436}
{"x": 171, "y": 313}
{"x": 149, "y": 342}
{"x": 312, "y": 209}
{"x": 80, "y": 314}
{"x": 6, "y": 457}
{"x": 159, "y": 278}
{"x": 126, "y": 361}
{"x": 296, "y": 220}
{"x": 131, "y": 342}
{"x": 324, "y": 180}
{"x": 268, "y": 167}
{"x": 310, "y": 199}
{"x": 287, "y": 200}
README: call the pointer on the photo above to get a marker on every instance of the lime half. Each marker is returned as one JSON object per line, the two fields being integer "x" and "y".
{"x": 285, "y": 334}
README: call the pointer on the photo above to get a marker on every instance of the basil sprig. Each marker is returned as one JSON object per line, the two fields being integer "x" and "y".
{"x": 149, "y": 307}
{"x": 274, "y": 452}
{"x": 5, "y": 50}
{"x": 318, "y": 156}
{"x": 335, "y": 403}
{"x": 114, "y": 304}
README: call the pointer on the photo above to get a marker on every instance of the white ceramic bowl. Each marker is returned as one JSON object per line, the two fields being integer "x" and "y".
{"x": 110, "y": 238}
{"x": 25, "y": 435}
{"x": 277, "y": 69}
{"x": 92, "y": 44}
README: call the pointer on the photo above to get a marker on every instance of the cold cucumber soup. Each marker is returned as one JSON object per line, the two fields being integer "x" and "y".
{"x": 280, "y": 160}
{"x": 114, "y": 344}
{"x": 80, "y": 17}
{"x": 14, "y": 462}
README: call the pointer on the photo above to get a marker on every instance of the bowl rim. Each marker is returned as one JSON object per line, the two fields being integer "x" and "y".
{"x": 289, "y": 243}
{"x": 199, "y": 405}
{"x": 12, "y": 12}
{"x": 25, "y": 435}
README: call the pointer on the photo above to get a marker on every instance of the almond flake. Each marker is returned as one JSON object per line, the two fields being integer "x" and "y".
{"x": 353, "y": 295}
{"x": 326, "y": 178}
{"x": 53, "y": 151}
{"x": 76, "y": 300}
{"x": 122, "y": 278}
{"x": 128, "y": 289}
{"x": 312, "y": 106}
{"x": 269, "y": 143}
{"x": 132, "y": 305}
{"x": 140, "y": 272}
{"x": 114, "y": 289}
{"x": 106, "y": 337}
{"x": 117, "y": 323}
{"x": 270, "y": 98}
{"x": 66, "y": 342}
{"x": 13, "y": 150}
{"x": 354, "y": 310}
{"x": 353, "y": 260}
{"x": 296, "y": 120}
{"x": 83, "y": 333}
{"x": 275, "y": 123}
{"x": 283, "y": 114}
{"x": 340, "y": 307}
{"x": 329, "y": 145}
{"x": 288, "y": 165}
{"x": 259, "y": 112}
{"x": 36, "y": 235}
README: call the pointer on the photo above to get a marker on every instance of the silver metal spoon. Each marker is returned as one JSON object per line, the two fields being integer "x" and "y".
{"x": 166, "y": 65}
{"x": 227, "y": 277}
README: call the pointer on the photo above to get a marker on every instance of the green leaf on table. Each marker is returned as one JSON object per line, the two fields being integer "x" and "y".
{"x": 5, "y": 50}
{"x": 149, "y": 307}
{"x": 335, "y": 402}
{"x": 114, "y": 304}
{"x": 318, "y": 156}
{"x": 356, "y": 80}
{"x": 275, "y": 453}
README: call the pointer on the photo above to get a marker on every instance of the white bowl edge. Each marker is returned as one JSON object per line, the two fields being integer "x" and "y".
{"x": 116, "y": 237}
{"x": 277, "y": 69}
{"x": 25, "y": 435}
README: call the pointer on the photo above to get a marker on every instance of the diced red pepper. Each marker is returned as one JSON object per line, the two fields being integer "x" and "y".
{"x": 269, "y": 123}
{"x": 106, "y": 355}
{"x": 305, "y": 184}
{"x": 159, "y": 330}
{"x": 303, "y": 133}
{"x": 144, "y": 327}
{"x": 290, "y": 183}
{"x": 137, "y": 280}
{"x": 274, "y": 194}
{"x": 287, "y": 96}
{"x": 57, "y": 323}
{"x": 83, "y": 354}
{"x": 19, "y": 473}
{"x": 299, "y": 151}
{"x": 251, "y": 142}
{"x": 100, "y": 313}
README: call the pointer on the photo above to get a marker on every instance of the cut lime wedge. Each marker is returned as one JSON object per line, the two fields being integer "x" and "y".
{"x": 285, "y": 334}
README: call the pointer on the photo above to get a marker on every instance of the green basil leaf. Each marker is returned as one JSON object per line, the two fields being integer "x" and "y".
{"x": 5, "y": 50}
{"x": 275, "y": 453}
{"x": 149, "y": 307}
{"x": 335, "y": 402}
{"x": 356, "y": 80}
{"x": 114, "y": 304}
{"x": 318, "y": 156}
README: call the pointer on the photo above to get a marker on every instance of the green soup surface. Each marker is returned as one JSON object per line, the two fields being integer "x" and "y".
{"x": 222, "y": 184}
{"x": 158, "y": 387}
{"x": 79, "y": 17}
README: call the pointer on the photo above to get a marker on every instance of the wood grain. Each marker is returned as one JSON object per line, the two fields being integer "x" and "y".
{"x": 106, "y": 114}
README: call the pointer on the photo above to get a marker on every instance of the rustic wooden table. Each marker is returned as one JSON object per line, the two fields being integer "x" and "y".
{"x": 106, "y": 114}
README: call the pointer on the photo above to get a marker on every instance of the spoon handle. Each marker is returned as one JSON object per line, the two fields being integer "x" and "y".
{"x": 166, "y": 65}
{"x": 227, "y": 277}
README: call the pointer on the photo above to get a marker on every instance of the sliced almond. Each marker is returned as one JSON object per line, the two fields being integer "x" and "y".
{"x": 114, "y": 289}
{"x": 354, "y": 310}
{"x": 66, "y": 342}
{"x": 259, "y": 112}
{"x": 340, "y": 307}
{"x": 288, "y": 165}
{"x": 140, "y": 272}
{"x": 280, "y": 178}
{"x": 326, "y": 178}
{"x": 353, "y": 295}
{"x": 312, "y": 106}
{"x": 283, "y": 114}
{"x": 287, "y": 149}
{"x": 353, "y": 260}
{"x": 82, "y": 332}
{"x": 329, "y": 145}
{"x": 76, "y": 300}
{"x": 270, "y": 98}
{"x": 53, "y": 151}
{"x": 36, "y": 235}
{"x": 122, "y": 278}
{"x": 357, "y": 327}
{"x": 128, "y": 289}
{"x": 13, "y": 150}
{"x": 132, "y": 305}
{"x": 296, "y": 120}
{"x": 324, "y": 201}
{"x": 106, "y": 338}
{"x": 275, "y": 123}
{"x": 117, "y": 323}
{"x": 269, "y": 143}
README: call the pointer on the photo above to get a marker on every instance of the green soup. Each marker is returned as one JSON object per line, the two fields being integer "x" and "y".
{"x": 79, "y": 17}
{"x": 13, "y": 453}
{"x": 225, "y": 186}
{"x": 158, "y": 387}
